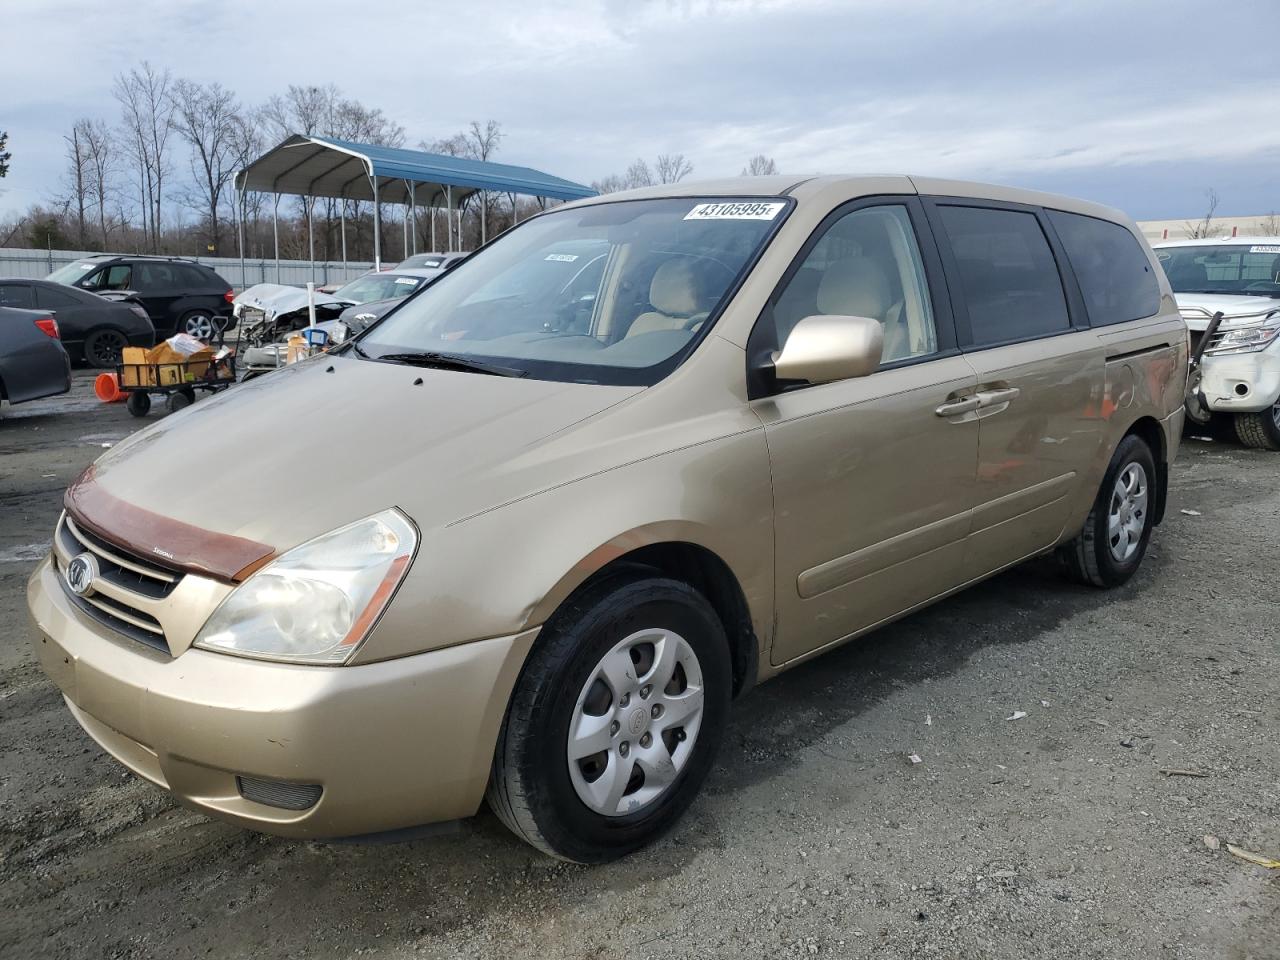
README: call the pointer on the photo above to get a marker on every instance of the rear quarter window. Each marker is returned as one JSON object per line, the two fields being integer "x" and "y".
{"x": 1115, "y": 275}
{"x": 1007, "y": 272}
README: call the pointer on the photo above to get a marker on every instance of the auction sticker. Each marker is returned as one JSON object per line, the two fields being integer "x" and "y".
{"x": 1262, "y": 248}
{"x": 562, "y": 257}
{"x": 408, "y": 280}
{"x": 739, "y": 210}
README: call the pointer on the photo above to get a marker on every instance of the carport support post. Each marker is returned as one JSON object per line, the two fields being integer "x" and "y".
{"x": 275, "y": 233}
{"x": 343, "y": 230}
{"x": 413, "y": 213}
{"x": 377, "y": 227}
{"x": 431, "y": 211}
{"x": 448, "y": 211}
{"x": 311, "y": 234}
{"x": 244, "y": 279}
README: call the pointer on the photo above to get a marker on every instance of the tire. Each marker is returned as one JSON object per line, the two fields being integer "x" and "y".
{"x": 1261, "y": 431}
{"x": 1099, "y": 557}
{"x": 180, "y": 400}
{"x": 139, "y": 403}
{"x": 197, "y": 323}
{"x": 540, "y": 793}
{"x": 102, "y": 348}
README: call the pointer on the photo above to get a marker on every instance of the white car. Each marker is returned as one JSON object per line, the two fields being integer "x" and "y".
{"x": 1239, "y": 276}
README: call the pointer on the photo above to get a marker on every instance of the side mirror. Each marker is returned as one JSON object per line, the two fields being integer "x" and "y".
{"x": 822, "y": 349}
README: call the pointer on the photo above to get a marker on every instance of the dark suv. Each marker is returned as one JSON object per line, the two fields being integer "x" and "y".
{"x": 180, "y": 295}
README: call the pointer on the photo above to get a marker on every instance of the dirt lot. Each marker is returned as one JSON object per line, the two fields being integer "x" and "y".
{"x": 1055, "y": 834}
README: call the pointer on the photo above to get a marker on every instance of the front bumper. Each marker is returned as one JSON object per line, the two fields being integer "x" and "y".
{"x": 391, "y": 744}
{"x": 1241, "y": 382}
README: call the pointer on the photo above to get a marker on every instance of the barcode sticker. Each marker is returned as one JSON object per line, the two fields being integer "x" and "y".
{"x": 758, "y": 210}
{"x": 1264, "y": 248}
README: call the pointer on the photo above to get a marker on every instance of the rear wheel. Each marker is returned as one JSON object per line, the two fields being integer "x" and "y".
{"x": 1260, "y": 430}
{"x": 104, "y": 348}
{"x": 615, "y": 720}
{"x": 198, "y": 323}
{"x": 180, "y": 399}
{"x": 1110, "y": 548}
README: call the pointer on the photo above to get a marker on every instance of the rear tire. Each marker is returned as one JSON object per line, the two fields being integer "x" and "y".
{"x": 575, "y": 681}
{"x": 1110, "y": 548}
{"x": 199, "y": 324}
{"x": 1261, "y": 431}
{"x": 180, "y": 400}
{"x": 104, "y": 348}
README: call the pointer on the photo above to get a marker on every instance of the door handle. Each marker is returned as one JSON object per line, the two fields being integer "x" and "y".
{"x": 954, "y": 408}
{"x": 989, "y": 398}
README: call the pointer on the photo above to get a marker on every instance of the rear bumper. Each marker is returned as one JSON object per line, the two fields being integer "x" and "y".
{"x": 392, "y": 744}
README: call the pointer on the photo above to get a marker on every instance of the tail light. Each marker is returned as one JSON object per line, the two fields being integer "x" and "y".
{"x": 229, "y": 296}
{"x": 50, "y": 327}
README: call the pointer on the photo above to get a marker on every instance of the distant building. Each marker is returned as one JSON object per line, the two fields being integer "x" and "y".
{"x": 1264, "y": 226}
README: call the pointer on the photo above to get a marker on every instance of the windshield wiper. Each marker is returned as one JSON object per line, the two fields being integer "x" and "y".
{"x": 449, "y": 361}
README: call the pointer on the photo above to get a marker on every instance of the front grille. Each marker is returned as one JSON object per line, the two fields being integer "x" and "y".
{"x": 138, "y": 585}
{"x": 277, "y": 793}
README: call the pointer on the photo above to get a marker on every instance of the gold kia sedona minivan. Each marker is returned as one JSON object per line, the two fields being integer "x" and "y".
{"x": 528, "y": 536}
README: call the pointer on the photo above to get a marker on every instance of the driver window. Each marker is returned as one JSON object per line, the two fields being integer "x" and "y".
{"x": 866, "y": 265}
{"x": 112, "y": 278}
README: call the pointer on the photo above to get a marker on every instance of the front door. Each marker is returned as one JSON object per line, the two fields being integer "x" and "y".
{"x": 1039, "y": 376}
{"x": 873, "y": 477}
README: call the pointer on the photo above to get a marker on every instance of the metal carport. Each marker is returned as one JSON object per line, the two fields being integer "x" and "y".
{"x": 313, "y": 166}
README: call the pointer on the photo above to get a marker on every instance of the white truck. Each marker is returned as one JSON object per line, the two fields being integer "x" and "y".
{"x": 1240, "y": 367}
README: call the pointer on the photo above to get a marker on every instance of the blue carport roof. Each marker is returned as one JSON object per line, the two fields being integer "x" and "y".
{"x": 327, "y": 167}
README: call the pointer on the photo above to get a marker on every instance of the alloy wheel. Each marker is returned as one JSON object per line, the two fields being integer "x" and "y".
{"x": 1127, "y": 517}
{"x": 199, "y": 325}
{"x": 635, "y": 722}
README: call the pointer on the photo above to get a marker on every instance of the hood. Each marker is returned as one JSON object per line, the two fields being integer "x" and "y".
{"x": 274, "y": 299}
{"x": 284, "y": 458}
{"x": 1231, "y": 305}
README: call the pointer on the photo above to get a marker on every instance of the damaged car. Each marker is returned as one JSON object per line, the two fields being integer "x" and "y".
{"x": 268, "y": 313}
{"x": 1238, "y": 277}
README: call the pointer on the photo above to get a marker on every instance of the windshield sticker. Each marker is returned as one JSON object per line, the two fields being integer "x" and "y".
{"x": 562, "y": 257}
{"x": 736, "y": 211}
{"x": 86, "y": 266}
{"x": 1264, "y": 248}
{"x": 411, "y": 281}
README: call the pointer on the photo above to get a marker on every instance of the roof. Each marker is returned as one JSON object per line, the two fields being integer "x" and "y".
{"x": 327, "y": 167}
{"x": 803, "y": 187}
{"x": 1222, "y": 242}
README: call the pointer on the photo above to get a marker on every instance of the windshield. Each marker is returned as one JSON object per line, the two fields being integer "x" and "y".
{"x": 72, "y": 273}
{"x": 379, "y": 286}
{"x": 1252, "y": 269}
{"x": 609, "y": 293}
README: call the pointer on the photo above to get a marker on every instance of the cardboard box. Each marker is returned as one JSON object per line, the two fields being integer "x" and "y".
{"x": 171, "y": 373}
{"x": 134, "y": 355}
{"x": 138, "y": 374}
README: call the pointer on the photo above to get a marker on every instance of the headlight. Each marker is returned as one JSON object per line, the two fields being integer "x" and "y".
{"x": 316, "y": 603}
{"x": 1246, "y": 339}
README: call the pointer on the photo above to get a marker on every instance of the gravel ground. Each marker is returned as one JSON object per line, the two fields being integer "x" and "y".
{"x": 1055, "y": 834}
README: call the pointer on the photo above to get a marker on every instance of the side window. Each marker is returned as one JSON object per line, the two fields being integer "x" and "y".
{"x": 15, "y": 295}
{"x": 118, "y": 277}
{"x": 1115, "y": 275}
{"x": 53, "y": 299}
{"x": 155, "y": 276}
{"x": 192, "y": 278}
{"x": 1008, "y": 275}
{"x": 867, "y": 264}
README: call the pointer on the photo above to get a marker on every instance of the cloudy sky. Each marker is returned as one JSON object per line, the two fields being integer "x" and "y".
{"x": 1144, "y": 106}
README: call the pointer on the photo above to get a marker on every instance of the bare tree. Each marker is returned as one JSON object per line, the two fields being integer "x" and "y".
{"x": 1204, "y": 227}
{"x": 146, "y": 112}
{"x": 5, "y": 155}
{"x": 638, "y": 175}
{"x": 760, "y": 166}
{"x": 672, "y": 167}
{"x": 77, "y": 179}
{"x": 1271, "y": 225}
{"x": 484, "y": 142}
{"x": 99, "y": 150}
{"x": 207, "y": 117}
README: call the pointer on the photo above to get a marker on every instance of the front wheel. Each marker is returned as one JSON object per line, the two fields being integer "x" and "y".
{"x": 1110, "y": 548}
{"x": 615, "y": 720}
{"x": 1260, "y": 430}
{"x": 104, "y": 348}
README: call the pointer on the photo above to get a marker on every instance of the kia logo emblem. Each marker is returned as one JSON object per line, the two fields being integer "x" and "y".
{"x": 81, "y": 572}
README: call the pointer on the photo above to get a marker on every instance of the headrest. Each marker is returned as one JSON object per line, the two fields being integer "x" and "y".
{"x": 674, "y": 289}
{"x": 855, "y": 287}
